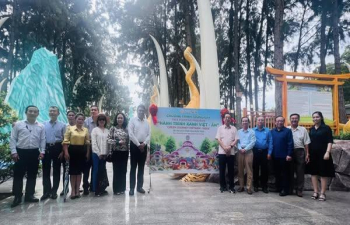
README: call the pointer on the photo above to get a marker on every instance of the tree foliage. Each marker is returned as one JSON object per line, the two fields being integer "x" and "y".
{"x": 79, "y": 35}
{"x": 7, "y": 118}
{"x": 106, "y": 41}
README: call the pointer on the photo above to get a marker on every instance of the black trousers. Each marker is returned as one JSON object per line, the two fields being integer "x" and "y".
{"x": 282, "y": 172}
{"x": 230, "y": 162}
{"x": 120, "y": 164}
{"x": 86, "y": 173}
{"x": 51, "y": 158}
{"x": 28, "y": 163}
{"x": 260, "y": 167}
{"x": 137, "y": 159}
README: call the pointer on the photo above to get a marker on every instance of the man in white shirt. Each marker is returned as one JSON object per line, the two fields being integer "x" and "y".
{"x": 27, "y": 137}
{"x": 300, "y": 154}
{"x": 227, "y": 136}
{"x": 140, "y": 134}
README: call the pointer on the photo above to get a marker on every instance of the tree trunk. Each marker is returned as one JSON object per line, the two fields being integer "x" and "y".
{"x": 257, "y": 56}
{"x": 237, "y": 74}
{"x": 323, "y": 50}
{"x": 248, "y": 52}
{"x": 189, "y": 29}
{"x": 230, "y": 57}
{"x": 278, "y": 52}
{"x": 14, "y": 61}
{"x": 265, "y": 65}
{"x": 8, "y": 67}
{"x": 342, "y": 112}
{"x": 296, "y": 58}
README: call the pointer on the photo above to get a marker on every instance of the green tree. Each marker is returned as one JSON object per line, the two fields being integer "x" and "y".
{"x": 7, "y": 117}
{"x": 206, "y": 146}
{"x": 80, "y": 37}
{"x": 170, "y": 145}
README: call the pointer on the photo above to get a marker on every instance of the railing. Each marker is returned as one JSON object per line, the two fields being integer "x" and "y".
{"x": 252, "y": 115}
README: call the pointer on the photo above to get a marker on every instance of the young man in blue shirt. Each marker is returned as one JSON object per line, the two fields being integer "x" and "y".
{"x": 281, "y": 154}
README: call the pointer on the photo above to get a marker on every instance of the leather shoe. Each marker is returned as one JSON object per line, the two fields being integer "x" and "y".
{"x": 222, "y": 190}
{"x": 54, "y": 196}
{"x": 86, "y": 192}
{"x": 283, "y": 193}
{"x": 31, "y": 199}
{"x": 16, "y": 201}
{"x": 256, "y": 189}
{"x": 265, "y": 190}
{"x": 240, "y": 189}
{"x": 140, "y": 190}
{"x": 300, "y": 193}
{"x": 131, "y": 192}
{"x": 45, "y": 196}
{"x": 249, "y": 192}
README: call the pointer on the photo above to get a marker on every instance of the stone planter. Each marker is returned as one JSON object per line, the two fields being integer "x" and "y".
{"x": 341, "y": 160}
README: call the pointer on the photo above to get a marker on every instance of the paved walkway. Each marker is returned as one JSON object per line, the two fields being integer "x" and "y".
{"x": 175, "y": 202}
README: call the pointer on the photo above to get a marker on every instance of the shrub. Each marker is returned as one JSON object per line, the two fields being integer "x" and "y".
{"x": 7, "y": 118}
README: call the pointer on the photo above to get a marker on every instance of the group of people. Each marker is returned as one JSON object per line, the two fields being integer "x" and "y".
{"x": 292, "y": 150}
{"x": 84, "y": 143}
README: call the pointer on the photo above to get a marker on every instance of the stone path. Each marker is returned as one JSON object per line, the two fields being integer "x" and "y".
{"x": 174, "y": 202}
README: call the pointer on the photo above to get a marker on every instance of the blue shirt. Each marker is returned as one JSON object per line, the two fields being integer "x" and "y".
{"x": 282, "y": 143}
{"x": 89, "y": 124}
{"x": 263, "y": 139}
{"x": 54, "y": 132}
{"x": 246, "y": 139}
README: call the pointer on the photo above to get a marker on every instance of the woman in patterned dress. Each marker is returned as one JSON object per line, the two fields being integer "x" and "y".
{"x": 118, "y": 139}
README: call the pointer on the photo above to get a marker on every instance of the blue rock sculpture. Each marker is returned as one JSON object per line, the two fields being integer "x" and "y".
{"x": 38, "y": 84}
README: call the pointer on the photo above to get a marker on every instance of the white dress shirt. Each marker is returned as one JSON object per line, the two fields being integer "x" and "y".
{"x": 25, "y": 135}
{"x": 300, "y": 137}
{"x": 139, "y": 131}
{"x": 227, "y": 134}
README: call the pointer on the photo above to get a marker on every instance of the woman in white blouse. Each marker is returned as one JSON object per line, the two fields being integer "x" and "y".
{"x": 99, "y": 153}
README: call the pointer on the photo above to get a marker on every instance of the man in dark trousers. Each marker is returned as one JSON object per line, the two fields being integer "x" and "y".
{"x": 227, "y": 136}
{"x": 140, "y": 134}
{"x": 89, "y": 123}
{"x": 54, "y": 133}
{"x": 262, "y": 146}
{"x": 281, "y": 154}
{"x": 27, "y": 144}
